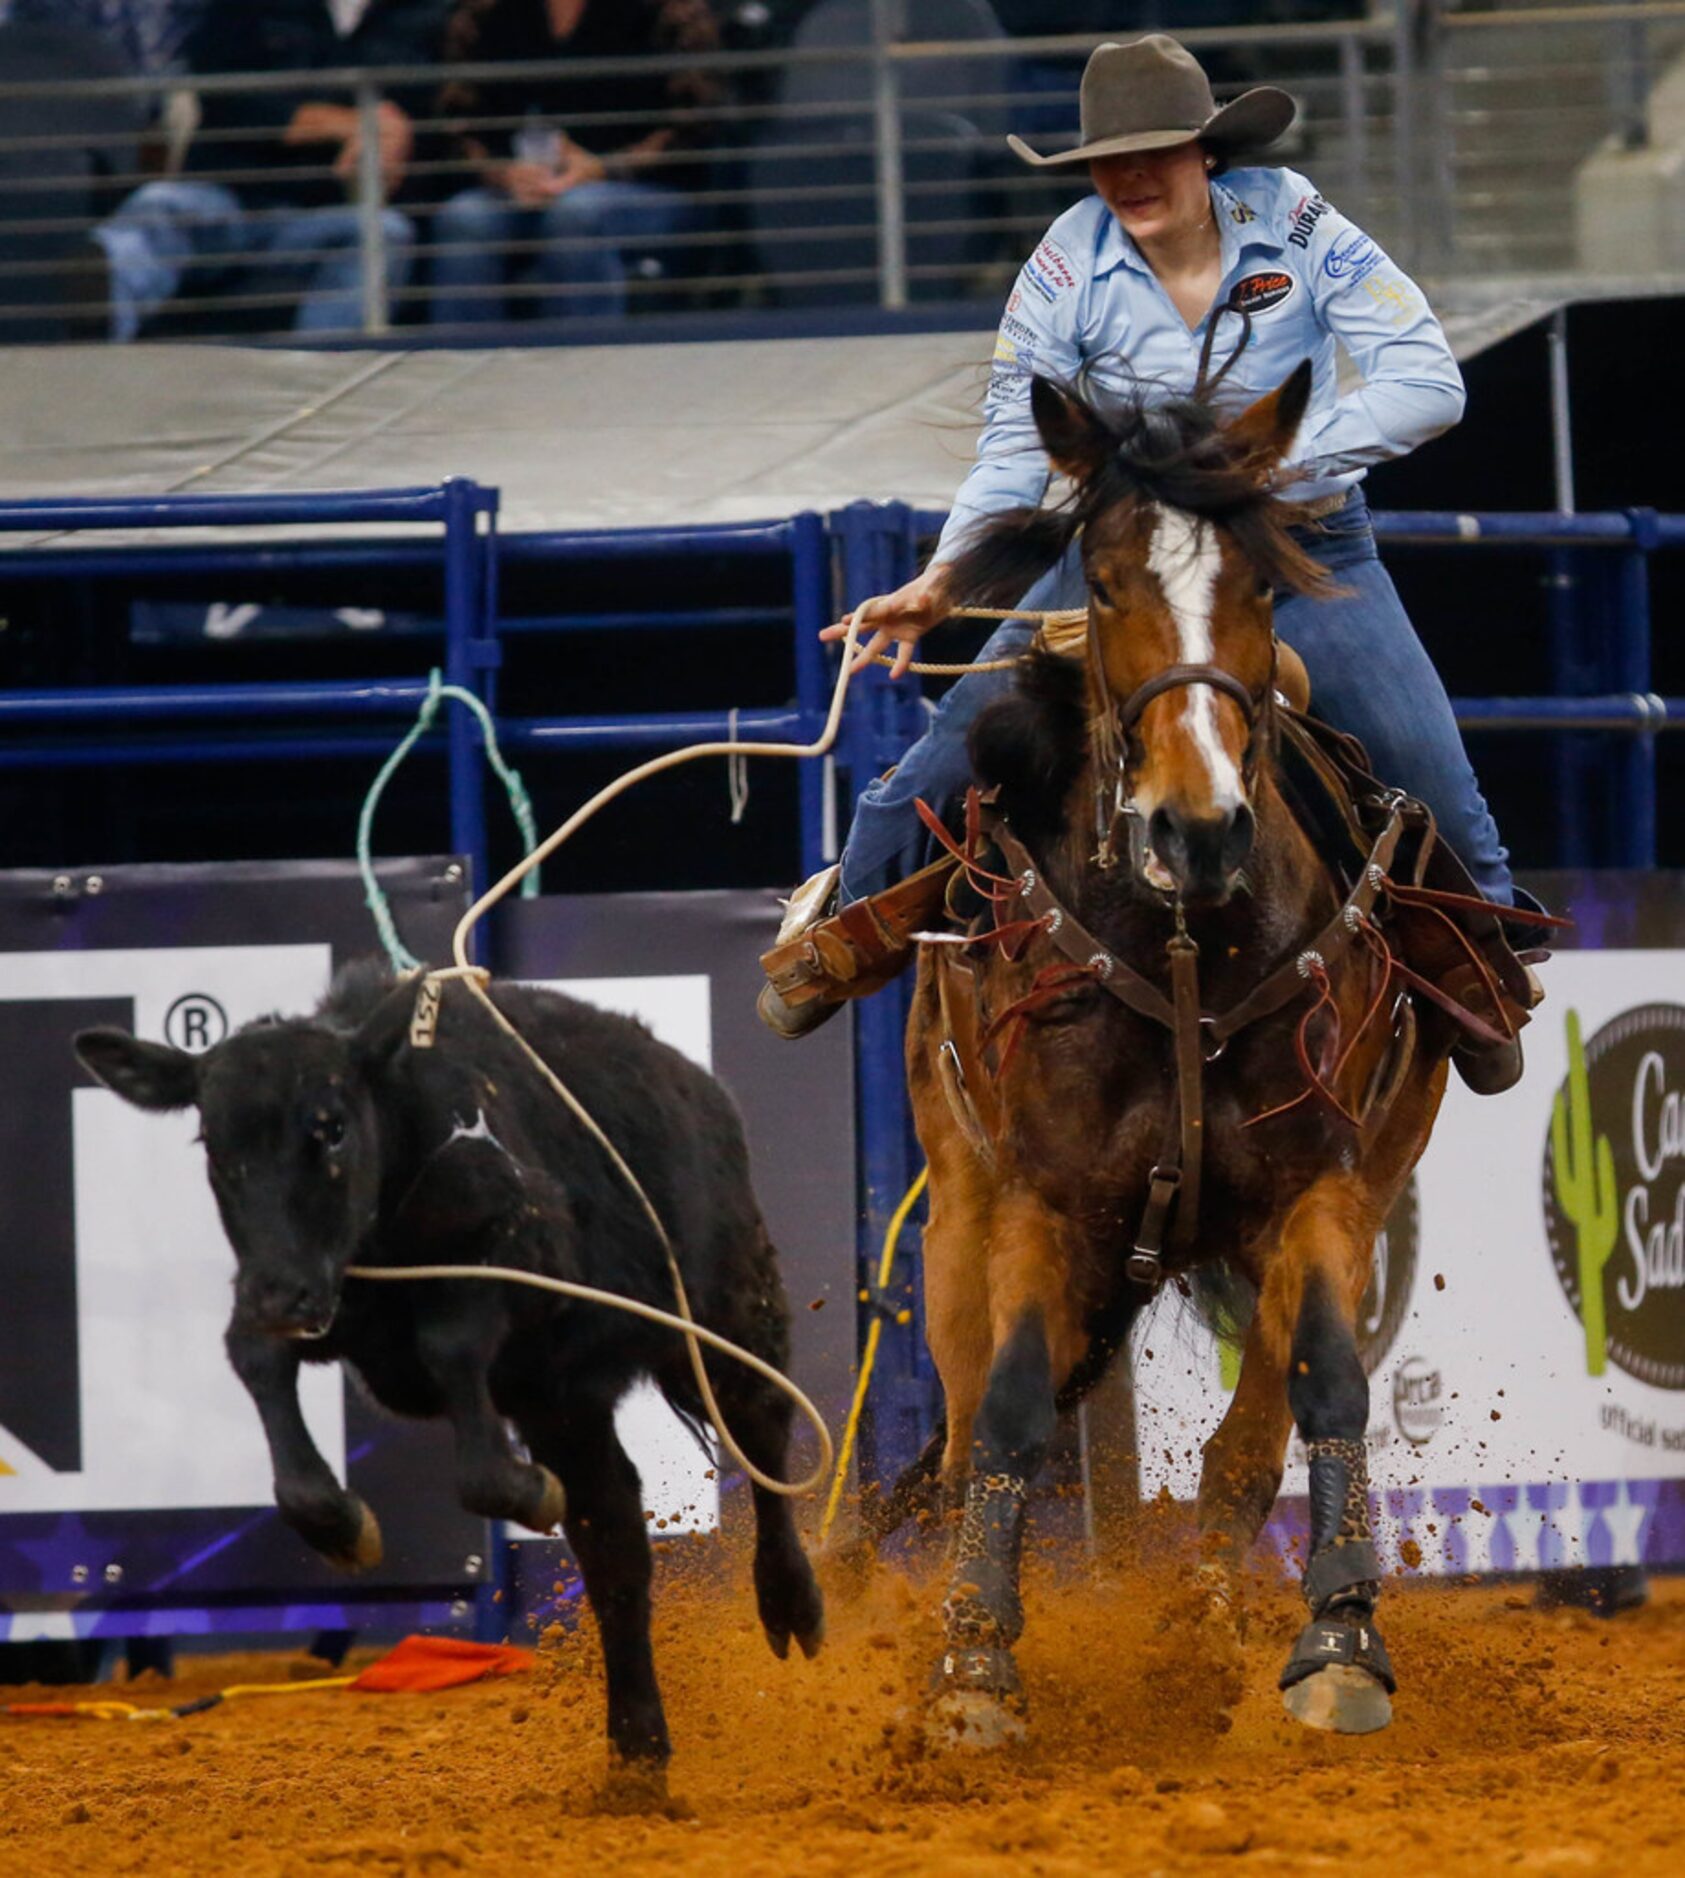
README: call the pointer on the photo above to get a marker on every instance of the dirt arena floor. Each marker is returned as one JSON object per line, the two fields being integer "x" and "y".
{"x": 1524, "y": 1741}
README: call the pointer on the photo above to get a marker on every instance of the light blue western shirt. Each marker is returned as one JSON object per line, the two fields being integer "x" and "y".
{"x": 1306, "y": 275}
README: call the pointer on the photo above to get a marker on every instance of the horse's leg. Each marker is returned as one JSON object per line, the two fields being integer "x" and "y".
{"x": 1337, "y": 1676}
{"x": 1241, "y": 1471}
{"x": 956, "y": 1296}
{"x": 1037, "y": 1338}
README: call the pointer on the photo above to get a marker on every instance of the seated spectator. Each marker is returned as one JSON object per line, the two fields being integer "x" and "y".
{"x": 59, "y": 160}
{"x": 285, "y": 226}
{"x": 145, "y": 34}
{"x": 575, "y": 201}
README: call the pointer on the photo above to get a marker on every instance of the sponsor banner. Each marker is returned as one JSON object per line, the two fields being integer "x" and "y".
{"x": 1525, "y": 1330}
{"x": 132, "y": 1463}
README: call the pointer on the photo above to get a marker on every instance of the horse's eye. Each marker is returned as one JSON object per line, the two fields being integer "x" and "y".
{"x": 329, "y": 1129}
{"x": 1100, "y": 590}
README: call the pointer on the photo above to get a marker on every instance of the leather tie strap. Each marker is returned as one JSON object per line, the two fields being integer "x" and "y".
{"x": 1190, "y": 1082}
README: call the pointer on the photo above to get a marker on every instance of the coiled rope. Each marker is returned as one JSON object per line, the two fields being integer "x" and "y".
{"x": 475, "y": 979}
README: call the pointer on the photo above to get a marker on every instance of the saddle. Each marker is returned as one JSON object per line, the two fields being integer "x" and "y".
{"x": 1451, "y": 944}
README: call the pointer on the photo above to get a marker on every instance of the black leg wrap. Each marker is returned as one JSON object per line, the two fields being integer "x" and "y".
{"x": 982, "y": 1608}
{"x": 1343, "y": 1567}
{"x": 1343, "y": 1579}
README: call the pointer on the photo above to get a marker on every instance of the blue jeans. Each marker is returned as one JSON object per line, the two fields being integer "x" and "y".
{"x": 581, "y": 237}
{"x": 1369, "y": 675}
{"x": 168, "y": 233}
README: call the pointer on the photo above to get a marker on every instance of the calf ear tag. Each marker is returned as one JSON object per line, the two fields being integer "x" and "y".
{"x": 424, "y": 1020}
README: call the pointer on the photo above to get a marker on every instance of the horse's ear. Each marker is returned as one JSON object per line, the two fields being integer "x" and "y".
{"x": 1267, "y": 428}
{"x": 1075, "y": 440}
{"x": 149, "y": 1075}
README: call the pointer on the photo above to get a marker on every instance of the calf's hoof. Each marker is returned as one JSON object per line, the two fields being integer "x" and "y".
{"x": 633, "y": 1787}
{"x": 345, "y": 1532}
{"x": 1338, "y": 1677}
{"x": 552, "y": 1504}
{"x": 977, "y": 1702}
{"x": 790, "y": 1603}
{"x": 365, "y": 1551}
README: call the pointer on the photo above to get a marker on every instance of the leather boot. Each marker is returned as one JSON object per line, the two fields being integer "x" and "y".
{"x": 1491, "y": 1068}
{"x": 823, "y": 956}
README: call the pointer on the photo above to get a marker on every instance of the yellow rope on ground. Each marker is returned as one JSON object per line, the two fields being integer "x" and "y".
{"x": 109, "y": 1709}
{"x": 869, "y": 1356}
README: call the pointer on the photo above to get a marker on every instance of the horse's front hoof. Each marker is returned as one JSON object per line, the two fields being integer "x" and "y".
{"x": 977, "y": 1702}
{"x": 366, "y": 1550}
{"x": 1343, "y": 1700}
{"x": 1338, "y": 1676}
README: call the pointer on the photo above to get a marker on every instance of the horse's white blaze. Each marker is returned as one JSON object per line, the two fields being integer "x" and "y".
{"x": 1185, "y": 555}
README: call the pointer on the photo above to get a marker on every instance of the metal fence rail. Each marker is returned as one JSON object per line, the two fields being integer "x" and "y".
{"x": 1600, "y": 646}
{"x": 869, "y": 173}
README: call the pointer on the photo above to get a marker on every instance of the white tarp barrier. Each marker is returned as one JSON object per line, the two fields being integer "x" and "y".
{"x": 575, "y": 437}
{"x": 1506, "y": 1432}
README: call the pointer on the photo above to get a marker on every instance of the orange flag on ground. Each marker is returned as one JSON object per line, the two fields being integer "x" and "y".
{"x": 428, "y": 1663}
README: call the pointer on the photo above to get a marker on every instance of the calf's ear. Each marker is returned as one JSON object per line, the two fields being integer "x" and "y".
{"x": 384, "y": 1030}
{"x": 150, "y": 1075}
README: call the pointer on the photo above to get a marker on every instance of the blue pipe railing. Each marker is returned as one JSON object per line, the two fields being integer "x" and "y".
{"x": 468, "y": 559}
{"x": 1600, "y": 651}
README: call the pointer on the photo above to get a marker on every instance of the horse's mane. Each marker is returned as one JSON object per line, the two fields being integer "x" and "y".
{"x": 1172, "y": 450}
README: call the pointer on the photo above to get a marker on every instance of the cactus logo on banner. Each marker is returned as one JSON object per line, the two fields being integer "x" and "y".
{"x": 1614, "y": 1191}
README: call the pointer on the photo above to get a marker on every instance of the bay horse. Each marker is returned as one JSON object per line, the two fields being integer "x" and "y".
{"x": 1190, "y": 1055}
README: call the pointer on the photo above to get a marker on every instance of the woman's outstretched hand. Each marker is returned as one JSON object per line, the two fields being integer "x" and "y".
{"x": 900, "y": 619}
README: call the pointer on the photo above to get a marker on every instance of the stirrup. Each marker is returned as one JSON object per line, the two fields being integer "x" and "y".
{"x": 829, "y": 956}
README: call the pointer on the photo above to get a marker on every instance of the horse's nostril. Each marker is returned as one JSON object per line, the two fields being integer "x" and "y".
{"x": 1203, "y": 852}
{"x": 1237, "y": 843}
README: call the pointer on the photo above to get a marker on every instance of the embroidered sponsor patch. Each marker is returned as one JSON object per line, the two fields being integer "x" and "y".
{"x": 1393, "y": 297}
{"x": 1263, "y": 293}
{"x": 1352, "y": 258}
{"x": 1052, "y": 262}
{"x": 1307, "y": 212}
{"x": 1048, "y": 273}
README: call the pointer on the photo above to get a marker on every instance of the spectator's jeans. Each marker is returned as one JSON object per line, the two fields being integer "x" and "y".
{"x": 579, "y": 235}
{"x": 185, "y": 233}
{"x": 1369, "y": 676}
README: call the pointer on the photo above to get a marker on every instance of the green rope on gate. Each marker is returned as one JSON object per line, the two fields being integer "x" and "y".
{"x": 520, "y": 803}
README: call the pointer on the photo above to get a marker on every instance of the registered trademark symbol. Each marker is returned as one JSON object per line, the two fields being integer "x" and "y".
{"x": 195, "y": 1023}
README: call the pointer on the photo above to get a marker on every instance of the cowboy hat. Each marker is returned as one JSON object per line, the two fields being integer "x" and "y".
{"x": 1151, "y": 94}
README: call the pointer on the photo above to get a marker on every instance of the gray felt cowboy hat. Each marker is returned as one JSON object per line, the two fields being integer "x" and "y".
{"x": 1151, "y": 95}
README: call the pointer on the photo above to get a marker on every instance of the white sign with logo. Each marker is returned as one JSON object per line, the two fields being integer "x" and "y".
{"x": 1510, "y": 1428}
{"x": 163, "y": 1421}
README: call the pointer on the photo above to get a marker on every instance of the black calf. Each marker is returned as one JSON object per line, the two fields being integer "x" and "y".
{"x": 330, "y": 1141}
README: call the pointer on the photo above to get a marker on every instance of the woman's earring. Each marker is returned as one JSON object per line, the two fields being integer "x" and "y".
{"x": 1210, "y": 163}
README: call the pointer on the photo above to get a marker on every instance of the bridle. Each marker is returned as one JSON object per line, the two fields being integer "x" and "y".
{"x": 1117, "y": 745}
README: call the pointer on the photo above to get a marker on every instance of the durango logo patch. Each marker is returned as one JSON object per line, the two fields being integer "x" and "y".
{"x": 1262, "y": 293}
